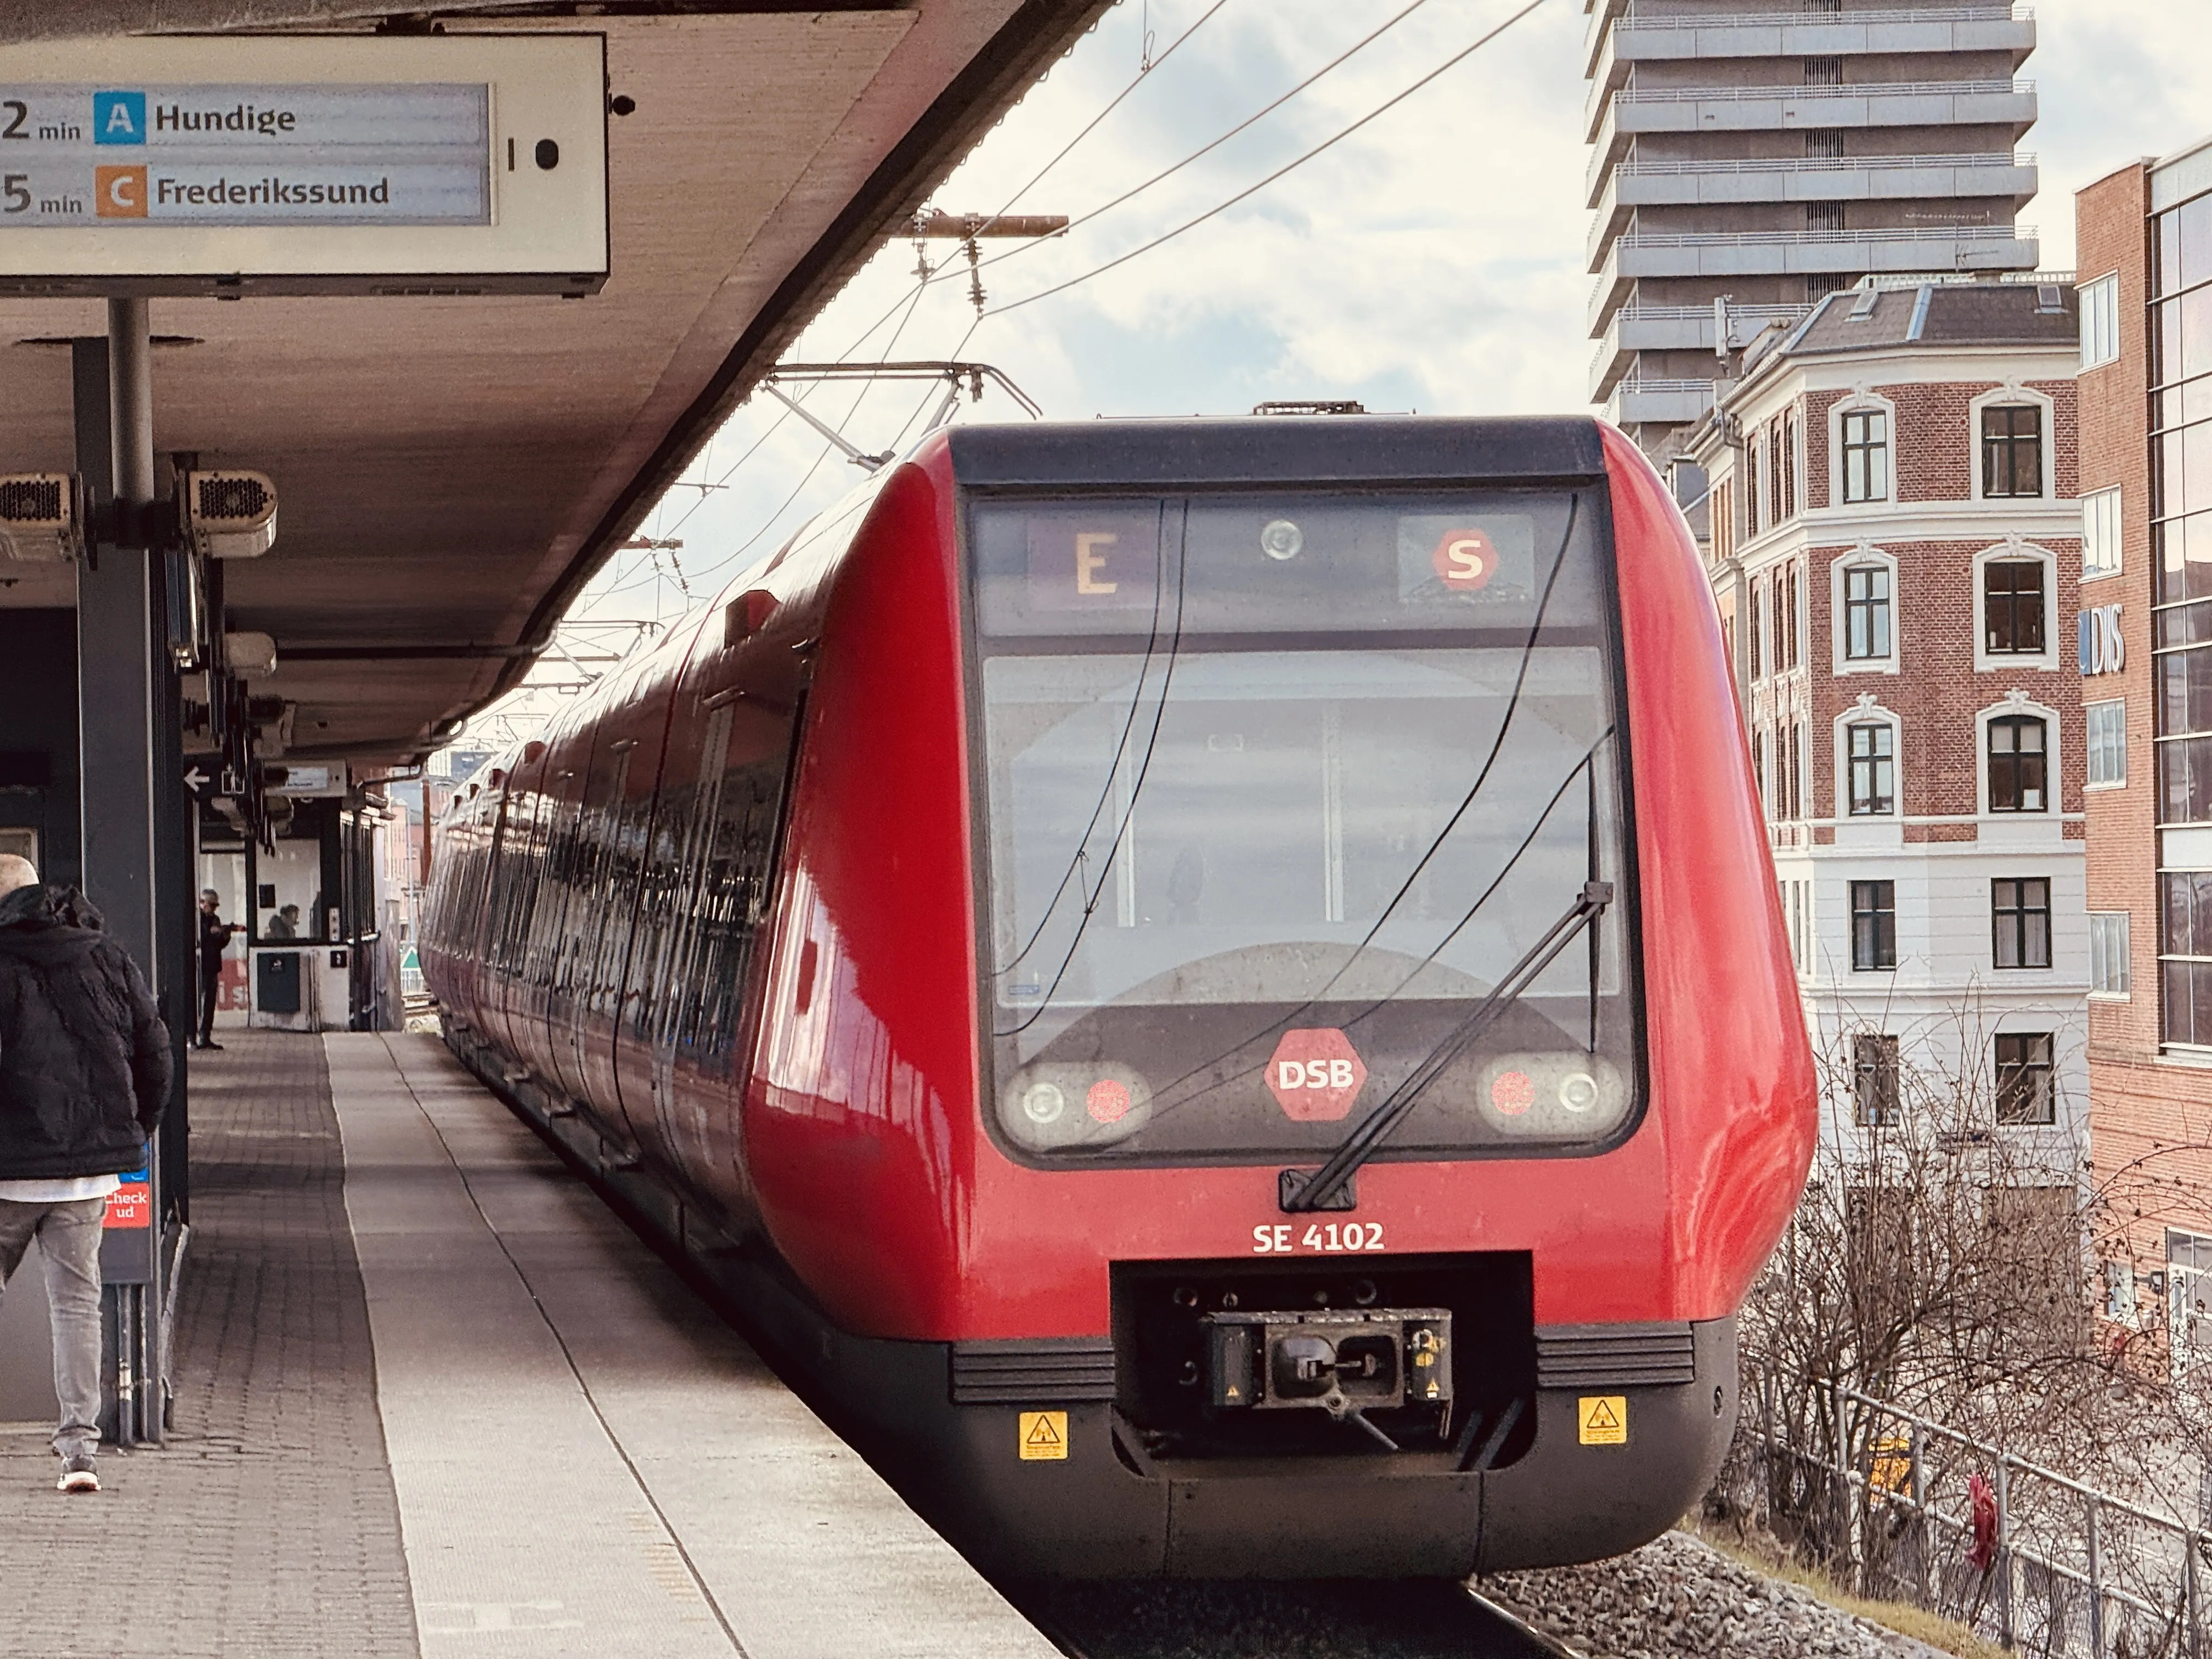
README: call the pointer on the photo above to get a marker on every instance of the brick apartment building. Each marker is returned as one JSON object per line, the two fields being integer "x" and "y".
{"x": 2145, "y": 239}
{"x": 1895, "y": 546}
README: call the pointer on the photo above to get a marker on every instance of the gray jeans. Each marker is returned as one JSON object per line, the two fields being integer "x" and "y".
{"x": 68, "y": 1246}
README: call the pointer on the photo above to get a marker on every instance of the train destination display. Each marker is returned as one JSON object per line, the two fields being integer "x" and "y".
{"x": 299, "y": 165}
{"x": 245, "y": 156}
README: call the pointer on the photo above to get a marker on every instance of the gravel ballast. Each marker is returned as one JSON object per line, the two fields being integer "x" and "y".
{"x": 1678, "y": 1598}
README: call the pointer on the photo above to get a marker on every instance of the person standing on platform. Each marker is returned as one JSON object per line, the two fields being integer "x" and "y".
{"x": 215, "y": 940}
{"x": 84, "y": 1073}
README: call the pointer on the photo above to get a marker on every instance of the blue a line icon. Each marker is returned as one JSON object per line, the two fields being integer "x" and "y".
{"x": 119, "y": 117}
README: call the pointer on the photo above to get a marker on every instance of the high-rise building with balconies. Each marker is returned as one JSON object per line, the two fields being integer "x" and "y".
{"x": 1748, "y": 156}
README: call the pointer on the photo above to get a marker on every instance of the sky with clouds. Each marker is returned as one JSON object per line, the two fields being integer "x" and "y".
{"x": 1432, "y": 260}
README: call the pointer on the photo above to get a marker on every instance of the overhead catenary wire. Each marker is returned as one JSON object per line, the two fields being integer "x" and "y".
{"x": 1258, "y": 115}
{"x": 1112, "y": 104}
{"x": 1377, "y": 113}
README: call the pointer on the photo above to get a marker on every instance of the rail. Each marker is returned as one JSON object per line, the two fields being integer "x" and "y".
{"x": 2049, "y": 1565}
{"x": 1634, "y": 94}
{"x": 1633, "y": 168}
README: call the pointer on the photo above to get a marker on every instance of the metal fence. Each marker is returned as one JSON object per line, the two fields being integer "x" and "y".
{"x": 1899, "y": 1507}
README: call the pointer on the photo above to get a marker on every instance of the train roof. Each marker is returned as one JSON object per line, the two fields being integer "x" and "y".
{"x": 1332, "y": 449}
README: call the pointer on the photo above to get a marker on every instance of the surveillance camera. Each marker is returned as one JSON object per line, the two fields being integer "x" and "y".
{"x": 41, "y": 518}
{"x": 230, "y": 515}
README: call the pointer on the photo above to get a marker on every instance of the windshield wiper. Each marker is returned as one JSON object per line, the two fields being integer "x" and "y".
{"x": 1329, "y": 1188}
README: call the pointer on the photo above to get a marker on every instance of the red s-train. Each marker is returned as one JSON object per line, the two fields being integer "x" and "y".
{"x": 1216, "y": 986}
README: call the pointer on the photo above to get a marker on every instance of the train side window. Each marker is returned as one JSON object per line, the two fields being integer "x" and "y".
{"x": 736, "y": 880}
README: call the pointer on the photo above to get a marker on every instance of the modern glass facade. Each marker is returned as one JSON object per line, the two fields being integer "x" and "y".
{"x": 2181, "y": 545}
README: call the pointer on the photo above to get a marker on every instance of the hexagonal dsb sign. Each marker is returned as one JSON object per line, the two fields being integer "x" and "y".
{"x": 1315, "y": 1075}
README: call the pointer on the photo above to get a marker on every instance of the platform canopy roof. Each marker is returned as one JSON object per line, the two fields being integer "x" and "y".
{"x": 452, "y": 471}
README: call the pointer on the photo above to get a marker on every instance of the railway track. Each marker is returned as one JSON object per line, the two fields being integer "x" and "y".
{"x": 1329, "y": 1619}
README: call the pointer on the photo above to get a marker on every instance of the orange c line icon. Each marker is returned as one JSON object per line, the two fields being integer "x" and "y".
{"x": 119, "y": 192}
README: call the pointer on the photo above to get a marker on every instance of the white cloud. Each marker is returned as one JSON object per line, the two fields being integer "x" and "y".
{"x": 1433, "y": 261}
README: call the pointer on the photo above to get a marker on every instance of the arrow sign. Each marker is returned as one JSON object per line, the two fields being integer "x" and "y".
{"x": 197, "y": 781}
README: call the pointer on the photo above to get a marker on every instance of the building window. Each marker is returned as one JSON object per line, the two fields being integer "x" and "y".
{"x": 2105, "y": 726}
{"x": 1757, "y": 594}
{"x": 2020, "y": 920}
{"x": 2012, "y": 606}
{"x": 2108, "y": 953}
{"x": 1866, "y": 612}
{"x": 1787, "y": 470}
{"x": 2017, "y": 758}
{"x": 2100, "y": 321}
{"x": 2120, "y": 1291}
{"x": 2012, "y": 449}
{"x": 2189, "y": 1296}
{"x": 1795, "y": 784}
{"x": 1788, "y": 627}
{"x": 2023, "y": 1069}
{"x": 1873, "y": 925}
{"x": 1866, "y": 455}
{"x": 1873, "y": 768}
{"x": 2100, "y": 533}
{"x": 1874, "y": 1079}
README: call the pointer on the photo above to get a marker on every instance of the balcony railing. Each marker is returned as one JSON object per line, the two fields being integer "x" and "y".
{"x": 1717, "y": 19}
{"x": 1632, "y": 93}
{"x": 1796, "y": 238}
{"x": 1634, "y": 168}
{"x": 1671, "y": 388}
{"x": 1756, "y": 316}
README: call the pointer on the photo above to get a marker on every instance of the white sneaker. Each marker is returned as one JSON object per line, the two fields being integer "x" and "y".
{"x": 77, "y": 1475}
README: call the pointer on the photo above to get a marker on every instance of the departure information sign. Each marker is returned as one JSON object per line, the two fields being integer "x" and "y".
{"x": 299, "y": 165}
{"x": 245, "y": 156}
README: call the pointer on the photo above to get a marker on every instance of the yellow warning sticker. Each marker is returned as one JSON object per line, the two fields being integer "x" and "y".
{"x": 1603, "y": 1418}
{"x": 1044, "y": 1436}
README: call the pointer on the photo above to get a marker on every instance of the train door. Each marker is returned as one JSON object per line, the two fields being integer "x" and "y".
{"x": 603, "y": 944}
{"x": 581, "y": 861}
{"x": 649, "y": 842}
{"x": 737, "y": 715}
{"x": 676, "y": 991}
{"x": 562, "y": 800}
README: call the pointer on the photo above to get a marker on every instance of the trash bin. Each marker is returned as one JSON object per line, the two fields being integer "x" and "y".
{"x": 276, "y": 982}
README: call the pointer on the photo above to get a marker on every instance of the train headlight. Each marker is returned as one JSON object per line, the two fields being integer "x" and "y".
{"x": 1550, "y": 1096}
{"x": 1056, "y": 1106}
{"x": 1281, "y": 539}
{"x": 1044, "y": 1102}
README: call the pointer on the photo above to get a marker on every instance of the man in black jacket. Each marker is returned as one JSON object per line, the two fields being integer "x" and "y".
{"x": 84, "y": 1073}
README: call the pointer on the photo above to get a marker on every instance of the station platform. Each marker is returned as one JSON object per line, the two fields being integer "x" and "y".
{"x": 433, "y": 1398}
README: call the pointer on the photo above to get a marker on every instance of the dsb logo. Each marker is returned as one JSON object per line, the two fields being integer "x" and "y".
{"x": 1313, "y": 1074}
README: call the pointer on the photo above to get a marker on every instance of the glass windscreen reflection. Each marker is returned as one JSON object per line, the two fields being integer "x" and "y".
{"x": 1308, "y": 763}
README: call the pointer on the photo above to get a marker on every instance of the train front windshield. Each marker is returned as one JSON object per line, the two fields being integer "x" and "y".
{"x": 1277, "y": 790}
